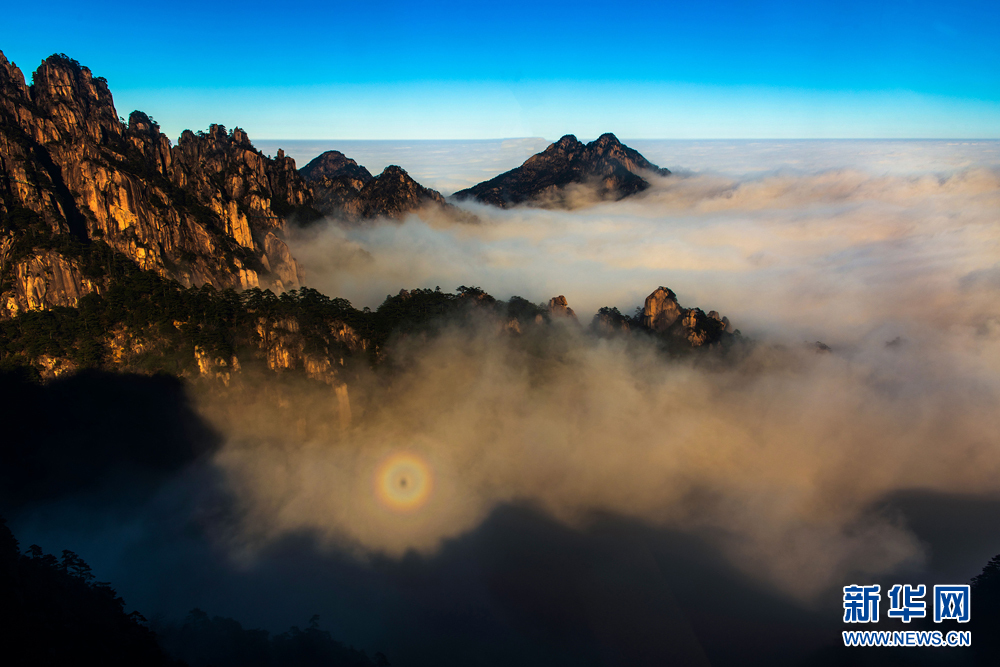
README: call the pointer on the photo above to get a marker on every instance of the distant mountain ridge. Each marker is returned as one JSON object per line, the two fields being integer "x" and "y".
{"x": 334, "y": 164}
{"x": 343, "y": 188}
{"x": 614, "y": 169}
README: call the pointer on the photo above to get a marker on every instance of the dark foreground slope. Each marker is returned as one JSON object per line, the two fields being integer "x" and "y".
{"x": 613, "y": 169}
{"x": 53, "y": 613}
{"x": 616, "y": 594}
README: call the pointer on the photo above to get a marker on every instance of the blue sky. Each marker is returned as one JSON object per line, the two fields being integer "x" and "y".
{"x": 443, "y": 70}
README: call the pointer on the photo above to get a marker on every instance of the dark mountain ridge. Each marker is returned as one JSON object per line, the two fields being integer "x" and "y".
{"x": 614, "y": 169}
{"x": 54, "y": 613}
{"x": 392, "y": 193}
{"x": 334, "y": 164}
{"x": 344, "y": 189}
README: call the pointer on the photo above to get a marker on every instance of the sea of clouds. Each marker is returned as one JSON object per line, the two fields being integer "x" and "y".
{"x": 888, "y": 252}
{"x": 809, "y": 238}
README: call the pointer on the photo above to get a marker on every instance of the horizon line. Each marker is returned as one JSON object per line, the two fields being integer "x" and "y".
{"x": 997, "y": 138}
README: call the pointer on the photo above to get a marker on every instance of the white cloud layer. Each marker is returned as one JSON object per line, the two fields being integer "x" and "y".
{"x": 776, "y": 453}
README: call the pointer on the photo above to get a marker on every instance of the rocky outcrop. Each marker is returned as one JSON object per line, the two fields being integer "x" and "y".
{"x": 392, "y": 194}
{"x": 336, "y": 181}
{"x": 211, "y": 209}
{"x": 678, "y": 327}
{"x": 344, "y": 189}
{"x": 220, "y": 337}
{"x": 611, "y": 168}
{"x": 661, "y": 310}
{"x": 216, "y": 367}
{"x": 661, "y": 314}
{"x": 559, "y": 307}
{"x": 720, "y": 318}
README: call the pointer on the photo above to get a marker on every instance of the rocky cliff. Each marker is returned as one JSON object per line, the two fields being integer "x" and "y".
{"x": 77, "y": 181}
{"x": 344, "y": 189}
{"x": 608, "y": 166}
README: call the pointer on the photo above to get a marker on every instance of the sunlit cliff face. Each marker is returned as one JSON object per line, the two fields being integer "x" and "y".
{"x": 776, "y": 452}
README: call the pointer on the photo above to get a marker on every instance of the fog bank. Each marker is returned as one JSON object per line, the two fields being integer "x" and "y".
{"x": 777, "y": 452}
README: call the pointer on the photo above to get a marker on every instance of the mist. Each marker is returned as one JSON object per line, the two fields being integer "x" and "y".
{"x": 834, "y": 253}
{"x": 779, "y": 452}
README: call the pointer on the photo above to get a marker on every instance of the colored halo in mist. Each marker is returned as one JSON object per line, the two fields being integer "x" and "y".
{"x": 403, "y": 482}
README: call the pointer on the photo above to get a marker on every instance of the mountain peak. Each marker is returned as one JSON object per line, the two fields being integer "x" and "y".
{"x": 607, "y": 139}
{"x": 343, "y": 188}
{"x": 12, "y": 78}
{"x": 395, "y": 171}
{"x": 392, "y": 194}
{"x": 614, "y": 169}
{"x": 334, "y": 164}
{"x": 208, "y": 210}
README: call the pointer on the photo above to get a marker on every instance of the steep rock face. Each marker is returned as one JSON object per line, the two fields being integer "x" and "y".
{"x": 614, "y": 169}
{"x": 46, "y": 279}
{"x": 211, "y": 209}
{"x": 660, "y": 310}
{"x": 285, "y": 348}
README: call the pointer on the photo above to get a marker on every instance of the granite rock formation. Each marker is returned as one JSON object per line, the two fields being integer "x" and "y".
{"x": 336, "y": 181}
{"x": 75, "y": 178}
{"x": 613, "y": 169}
{"x": 663, "y": 317}
{"x": 344, "y": 189}
{"x": 559, "y": 307}
{"x": 334, "y": 164}
{"x": 392, "y": 194}
{"x": 661, "y": 314}
{"x": 660, "y": 310}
